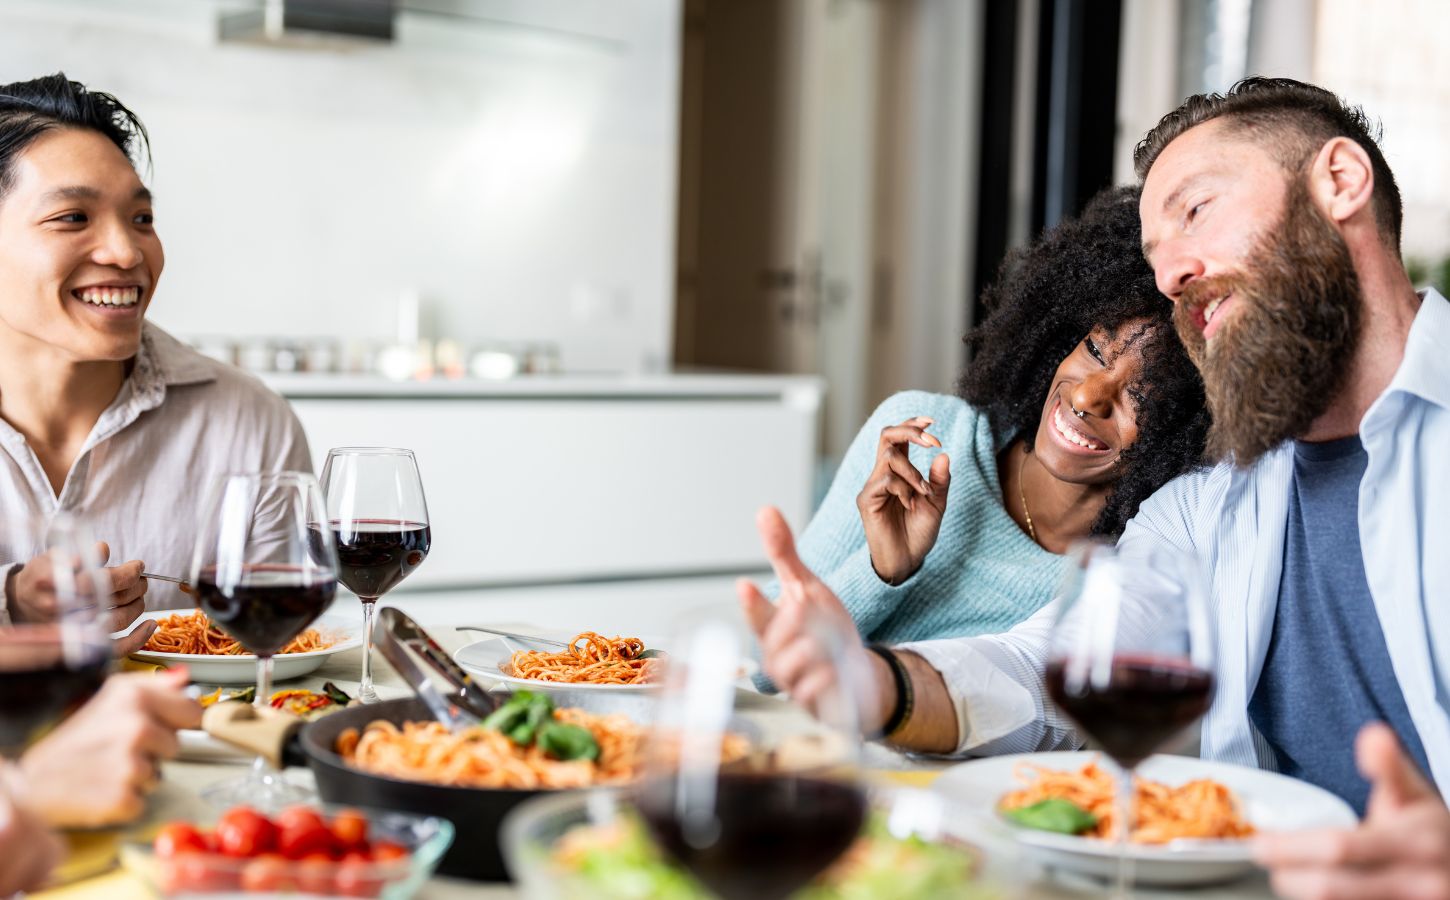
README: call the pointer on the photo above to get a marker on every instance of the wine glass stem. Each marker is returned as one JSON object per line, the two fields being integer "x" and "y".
{"x": 1125, "y": 831}
{"x": 365, "y": 690}
{"x": 261, "y": 772}
{"x": 264, "y": 682}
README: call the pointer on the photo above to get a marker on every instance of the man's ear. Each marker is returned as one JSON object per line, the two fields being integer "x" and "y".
{"x": 1341, "y": 179}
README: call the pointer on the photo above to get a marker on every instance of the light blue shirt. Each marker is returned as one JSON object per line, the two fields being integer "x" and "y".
{"x": 1234, "y": 520}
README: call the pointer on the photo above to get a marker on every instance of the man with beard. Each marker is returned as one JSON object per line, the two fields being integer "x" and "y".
{"x": 1273, "y": 224}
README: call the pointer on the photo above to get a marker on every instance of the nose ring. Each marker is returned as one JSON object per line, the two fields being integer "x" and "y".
{"x": 1075, "y": 411}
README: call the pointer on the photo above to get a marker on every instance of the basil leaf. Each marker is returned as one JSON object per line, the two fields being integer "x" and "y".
{"x": 537, "y": 713}
{"x": 511, "y": 713}
{"x": 335, "y": 694}
{"x": 563, "y": 741}
{"x": 651, "y": 654}
{"x": 1053, "y": 814}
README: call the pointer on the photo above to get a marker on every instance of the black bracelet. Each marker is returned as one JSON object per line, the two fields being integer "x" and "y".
{"x": 905, "y": 696}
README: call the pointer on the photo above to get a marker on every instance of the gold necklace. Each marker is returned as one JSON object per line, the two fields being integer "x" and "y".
{"x": 1022, "y": 491}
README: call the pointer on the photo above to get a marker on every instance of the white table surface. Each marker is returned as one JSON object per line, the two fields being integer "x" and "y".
{"x": 1017, "y": 877}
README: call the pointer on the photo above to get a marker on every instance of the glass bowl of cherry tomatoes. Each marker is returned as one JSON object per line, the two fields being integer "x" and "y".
{"x": 300, "y": 851}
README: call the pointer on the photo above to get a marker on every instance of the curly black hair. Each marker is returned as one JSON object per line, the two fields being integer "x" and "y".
{"x": 1085, "y": 273}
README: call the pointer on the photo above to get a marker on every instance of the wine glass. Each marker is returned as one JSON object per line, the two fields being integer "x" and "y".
{"x": 53, "y": 662}
{"x": 263, "y": 571}
{"x": 379, "y": 522}
{"x": 1131, "y": 659}
{"x": 759, "y": 827}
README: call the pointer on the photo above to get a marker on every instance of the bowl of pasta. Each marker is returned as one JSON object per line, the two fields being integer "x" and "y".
{"x": 1192, "y": 818}
{"x": 394, "y": 755}
{"x": 212, "y": 656}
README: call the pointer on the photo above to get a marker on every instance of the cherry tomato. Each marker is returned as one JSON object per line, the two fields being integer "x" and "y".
{"x": 244, "y": 832}
{"x": 355, "y": 878}
{"x": 266, "y": 873}
{"x": 177, "y": 838}
{"x": 300, "y": 838}
{"x": 350, "y": 827}
{"x": 299, "y": 815}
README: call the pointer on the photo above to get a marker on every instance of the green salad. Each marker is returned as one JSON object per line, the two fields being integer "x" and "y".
{"x": 620, "y": 861}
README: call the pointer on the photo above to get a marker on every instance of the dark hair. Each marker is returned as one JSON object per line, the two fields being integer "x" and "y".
{"x": 1294, "y": 120}
{"x": 28, "y": 109}
{"x": 1085, "y": 273}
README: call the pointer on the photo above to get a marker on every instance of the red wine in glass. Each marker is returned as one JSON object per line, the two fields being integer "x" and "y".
{"x": 266, "y": 606}
{"x": 263, "y": 575}
{"x": 1144, "y": 703}
{"x": 1131, "y": 661}
{"x": 378, "y": 517}
{"x": 50, "y": 667}
{"x": 375, "y": 555}
{"x": 40, "y": 684}
{"x": 769, "y": 836}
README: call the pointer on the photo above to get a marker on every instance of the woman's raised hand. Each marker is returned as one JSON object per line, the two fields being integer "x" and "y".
{"x": 900, "y": 509}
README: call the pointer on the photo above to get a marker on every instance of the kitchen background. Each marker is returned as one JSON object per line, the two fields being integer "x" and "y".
{"x": 622, "y": 271}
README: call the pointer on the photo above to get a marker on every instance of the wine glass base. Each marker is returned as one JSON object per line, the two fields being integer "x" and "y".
{"x": 267, "y": 793}
{"x": 368, "y": 695}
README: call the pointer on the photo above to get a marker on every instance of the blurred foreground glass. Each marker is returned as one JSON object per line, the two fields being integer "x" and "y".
{"x": 1132, "y": 658}
{"x": 264, "y": 570}
{"x": 56, "y": 659}
{"x": 379, "y": 523}
{"x": 748, "y": 821}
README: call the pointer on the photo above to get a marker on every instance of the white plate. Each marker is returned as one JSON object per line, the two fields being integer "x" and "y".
{"x": 1270, "y": 802}
{"x": 488, "y": 659}
{"x": 209, "y": 669}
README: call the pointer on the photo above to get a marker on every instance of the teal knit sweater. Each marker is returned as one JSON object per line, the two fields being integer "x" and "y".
{"x": 983, "y": 576}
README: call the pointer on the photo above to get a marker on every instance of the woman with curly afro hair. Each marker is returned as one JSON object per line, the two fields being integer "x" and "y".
{"x": 949, "y": 515}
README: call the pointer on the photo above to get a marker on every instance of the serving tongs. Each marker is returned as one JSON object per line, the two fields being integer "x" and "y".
{"x": 406, "y": 646}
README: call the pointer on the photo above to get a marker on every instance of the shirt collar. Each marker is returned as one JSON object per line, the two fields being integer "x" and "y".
{"x": 161, "y": 362}
{"x": 1425, "y": 370}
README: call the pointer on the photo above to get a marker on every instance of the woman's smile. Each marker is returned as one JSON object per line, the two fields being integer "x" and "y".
{"x": 1075, "y": 439}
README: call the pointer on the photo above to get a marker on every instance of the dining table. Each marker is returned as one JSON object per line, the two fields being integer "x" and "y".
{"x": 1010, "y": 872}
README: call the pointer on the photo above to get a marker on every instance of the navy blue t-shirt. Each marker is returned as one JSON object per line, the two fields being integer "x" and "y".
{"x": 1328, "y": 670}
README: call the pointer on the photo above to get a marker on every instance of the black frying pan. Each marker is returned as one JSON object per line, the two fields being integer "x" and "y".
{"x": 476, "y": 813}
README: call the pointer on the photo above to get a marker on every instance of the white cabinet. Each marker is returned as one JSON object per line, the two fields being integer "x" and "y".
{"x": 548, "y": 480}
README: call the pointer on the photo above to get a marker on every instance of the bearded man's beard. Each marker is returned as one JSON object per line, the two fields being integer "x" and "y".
{"x": 1275, "y": 364}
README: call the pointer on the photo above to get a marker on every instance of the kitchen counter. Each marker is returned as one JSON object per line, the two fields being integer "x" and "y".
{"x": 563, "y": 479}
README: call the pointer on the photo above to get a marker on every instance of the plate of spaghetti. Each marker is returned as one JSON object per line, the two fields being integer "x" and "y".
{"x": 187, "y": 636}
{"x": 590, "y": 661}
{"x": 1191, "y": 823}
